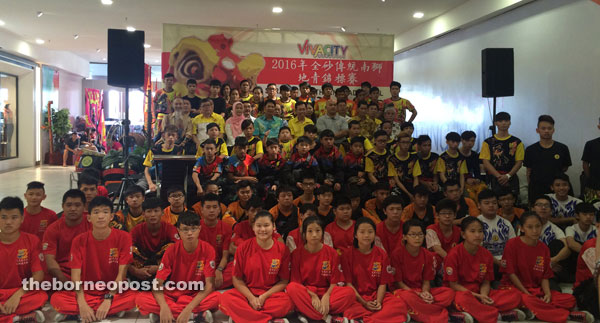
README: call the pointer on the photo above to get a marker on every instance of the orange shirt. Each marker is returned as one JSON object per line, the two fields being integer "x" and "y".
{"x": 298, "y": 200}
{"x": 169, "y": 216}
{"x": 198, "y": 208}
{"x": 408, "y": 211}
{"x": 234, "y": 212}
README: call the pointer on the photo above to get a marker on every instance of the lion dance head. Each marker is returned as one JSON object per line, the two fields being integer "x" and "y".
{"x": 200, "y": 60}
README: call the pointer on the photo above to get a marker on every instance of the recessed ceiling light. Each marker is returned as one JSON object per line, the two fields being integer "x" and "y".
{"x": 382, "y": 0}
{"x": 107, "y": 2}
{"x": 130, "y": 28}
{"x": 418, "y": 15}
{"x": 343, "y": 29}
{"x": 277, "y": 10}
{"x": 157, "y": 61}
{"x": 39, "y": 41}
{"x": 275, "y": 28}
{"x": 39, "y": 14}
{"x": 147, "y": 46}
{"x": 104, "y": 58}
{"x": 2, "y": 23}
{"x": 97, "y": 50}
{"x": 75, "y": 36}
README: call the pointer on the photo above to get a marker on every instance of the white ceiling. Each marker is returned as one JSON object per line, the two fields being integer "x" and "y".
{"x": 90, "y": 19}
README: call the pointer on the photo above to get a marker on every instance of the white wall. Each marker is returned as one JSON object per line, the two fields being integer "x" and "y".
{"x": 70, "y": 94}
{"x": 556, "y": 72}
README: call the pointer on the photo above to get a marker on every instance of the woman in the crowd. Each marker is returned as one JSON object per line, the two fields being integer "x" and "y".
{"x": 233, "y": 125}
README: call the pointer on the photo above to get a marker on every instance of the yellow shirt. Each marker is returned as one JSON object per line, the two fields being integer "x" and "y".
{"x": 286, "y": 148}
{"x": 200, "y": 122}
{"x": 288, "y": 108}
{"x": 248, "y": 98}
{"x": 221, "y": 147}
{"x": 150, "y": 156}
{"x": 297, "y": 127}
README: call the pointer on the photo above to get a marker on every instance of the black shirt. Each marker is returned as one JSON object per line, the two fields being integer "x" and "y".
{"x": 546, "y": 163}
{"x": 473, "y": 162}
{"x": 72, "y": 143}
{"x": 591, "y": 155}
{"x": 195, "y": 101}
{"x": 219, "y": 104}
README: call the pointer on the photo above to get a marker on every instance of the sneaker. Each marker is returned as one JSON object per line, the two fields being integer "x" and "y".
{"x": 407, "y": 317}
{"x": 528, "y": 314}
{"x": 205, "y": 317}
{"x": 35, "y": 316}
{"x": 339, "y": 319}
{"x": 230, "y": 320}
{"x": 356, "y": 321}
{"x": 514, "y": 315}
{"x": 154, "y": 318}
{"x": 283, "y": 320}
{"x": 460, "y": 317}
{"x": 64, "y": 317}
{"x": 582, "y": 316}
{"x": 303, "y": 318}
{"x": 121, "y": 314}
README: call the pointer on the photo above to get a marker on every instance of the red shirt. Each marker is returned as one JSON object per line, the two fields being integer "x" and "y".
{"x": 467, "y": 269}
{"x": 389, "y": 240}
{"x": 412, "y": 270}
{"x": 218, "y": 237}
{"x": 259, "y": 268}
{"x": 21, "y": 259}
{"x": 243, "y": 231}
{"x": 530, "y": 263}
{"x": 367, "y": 272}
{"x": 147, "y": 242}
{"x": 38, "y": 223}
{"x": 58, "y": 238}
{"x": 583, "y": 272}
{"x": 341, "y": 238}
{"x": 99, "y": 260}
{"x": 447, "y": 242}
{"x": 179, "y": 265}
{"x": 319, "y": 269}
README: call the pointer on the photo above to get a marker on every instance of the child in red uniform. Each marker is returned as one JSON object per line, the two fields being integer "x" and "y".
{"x": 342, "y": 229}
{"x": 243, "y": 230}
{"x": 390, "y": 230}
{"x": 585, "y": 288}
{"x": 367, "y": 271}
{"x": 441, "y": 237}
{"x": 36, "y": 217}
{"x": 469, "y": 268}
{"x": 261, "y": 273}
{"x": 56, "y": 245}
{"x": 295, "y": 238}
{"x": 315, "y": 274}
{"x": 527, "y": 271}
{"x": 414, "y": 270}
{"x": 20, "y": 253}
{"x": 188, "y": 260}
{"x": 218, "y": 234}
{"x": 150, "y": 240}
{"x": 99, "y": 255}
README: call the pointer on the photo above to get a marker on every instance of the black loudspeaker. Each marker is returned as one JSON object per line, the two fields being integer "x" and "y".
{"x": 125, "y": 58}
{"x": 497, "y": 72}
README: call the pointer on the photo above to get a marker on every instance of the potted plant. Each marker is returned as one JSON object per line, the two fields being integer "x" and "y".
{"x": 58, "y": 125}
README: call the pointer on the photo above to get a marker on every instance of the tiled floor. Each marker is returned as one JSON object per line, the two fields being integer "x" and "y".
{"x": 13, "y": 183}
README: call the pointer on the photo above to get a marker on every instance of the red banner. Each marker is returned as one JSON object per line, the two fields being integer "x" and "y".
{"x": 94, "y": 114}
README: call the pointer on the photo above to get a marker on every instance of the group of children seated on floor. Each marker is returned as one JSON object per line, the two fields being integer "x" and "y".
{"x": 330, "y": 257}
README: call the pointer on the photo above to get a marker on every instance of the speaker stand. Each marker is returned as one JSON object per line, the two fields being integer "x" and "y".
{"x": 126, "y": 180}
{"x": 493, "y": 127}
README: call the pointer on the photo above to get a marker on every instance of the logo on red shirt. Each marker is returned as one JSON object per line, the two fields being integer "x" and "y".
{"x": 45, "y": 246}
{"x": 113, "y": 256}
{"x": 376, "y": 270}
{"x": 275, "y": 264}
{"x": 22, "y": 257}
{"x": 539, "y": 263}
{"x": 326, "y": 268}
{"x": 199, "y": 267}
{"x": 43, "y": 225}
{"x": 219, "y": 237}
{"x": 482, "y": 270}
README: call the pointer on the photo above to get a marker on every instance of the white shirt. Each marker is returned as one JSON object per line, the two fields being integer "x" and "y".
{"x": 496, "y": 232}
{"x": 551, "y": 232}
{"x": 563, "y": 209}
{"x": 580, "y": 235}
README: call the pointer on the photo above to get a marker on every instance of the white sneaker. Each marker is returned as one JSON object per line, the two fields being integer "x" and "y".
{"x": 121, "y": 314}
{"x": 59, "y": 317}
{"x": 35, "y": 316}
{"x": 230, "y": 320}
{"x": 207, "y": 316}
{"x": 303, "y": 318}
{"x": 154, "y": 318}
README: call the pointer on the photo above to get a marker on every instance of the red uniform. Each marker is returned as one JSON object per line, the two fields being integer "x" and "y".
{"x": 57, "y": 241}
{"x": 294, "y": 240}
{"x": 317, "y": 272}
{"x": 412, "y": 271}
{"x": 99, "y": 261}
{"x": 260, "y": 269}
{"x": 178, "y": 265}
{"x": 219, "y": 237}
{"x": 531, "y": 264}
{"x": 243, "y": 231}
{"x": 20, "y": 260}
{"x": 471, "y": 271}
{"x": 584, "y": 271}
{"x": 341, "y": 238}
{"x": 389, "y": 240}
{"x": 435, "y": 236}
{"x": 38, "y": 223}
{"x": 366, "y": 272}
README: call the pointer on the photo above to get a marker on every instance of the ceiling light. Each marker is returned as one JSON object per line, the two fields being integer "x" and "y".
{"x": 147, "y": 46}
{"x": 157, "y": 61}
{"x": 2, "y": 23}
{"x": 382, "y": 0}
{"x": 75, "y": 36}
{"x": 104, "y": 58}
{"x": 277, "y": 10}
{"x": 130, "y": 28}
{"x": 39, "y": 41}
{"x": 107, "y": 2}
{"x": 39, "y": 14}
{"x": 343, "y": 29}
{"x": 418, "y": 15}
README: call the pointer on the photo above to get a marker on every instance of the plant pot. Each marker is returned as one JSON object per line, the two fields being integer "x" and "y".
{"x": 55, "y": 159}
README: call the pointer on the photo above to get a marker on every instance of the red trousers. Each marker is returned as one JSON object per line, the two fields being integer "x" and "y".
{"x": 235, "y": 305}
{"x": 504, "y": 300}
{"x": 393, "y": 309}
{"x": 421, "y": 311}
{"x": 556, "y": 311}
{"x": 177, "y": 301}
{"x": 65, "y": 302}
{"x": 341, "y": 298}
{"x": 30, "y": 302}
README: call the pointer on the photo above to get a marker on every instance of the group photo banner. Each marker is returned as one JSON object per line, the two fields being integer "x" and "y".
{"x": 268, "y": 56}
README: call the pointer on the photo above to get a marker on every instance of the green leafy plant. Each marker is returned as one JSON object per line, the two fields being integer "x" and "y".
{"x": 61, "y": 125}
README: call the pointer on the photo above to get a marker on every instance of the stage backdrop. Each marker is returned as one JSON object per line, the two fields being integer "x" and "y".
{"x": 282, "y": 57}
